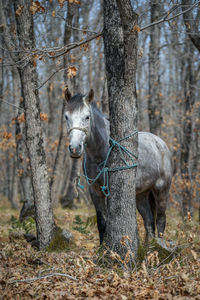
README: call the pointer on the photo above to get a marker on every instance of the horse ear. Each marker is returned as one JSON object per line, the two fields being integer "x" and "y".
{"x": 90, "y": 96}
{"x": 67, "y": 94}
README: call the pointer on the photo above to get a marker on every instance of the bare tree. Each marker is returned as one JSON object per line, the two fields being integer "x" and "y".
{"x": 25, "y": 42}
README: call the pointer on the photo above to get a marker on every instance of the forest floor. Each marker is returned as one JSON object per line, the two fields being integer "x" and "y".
{"x": 77, "y": 273}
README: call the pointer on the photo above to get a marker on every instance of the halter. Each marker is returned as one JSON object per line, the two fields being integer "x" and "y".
{"x": 79, "y": 128}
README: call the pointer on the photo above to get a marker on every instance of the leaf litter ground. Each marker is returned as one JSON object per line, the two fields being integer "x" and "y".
{"x": 26, "y": 273}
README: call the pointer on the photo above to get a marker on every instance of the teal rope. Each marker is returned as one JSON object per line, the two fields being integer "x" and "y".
{"x": 104, "y": 170}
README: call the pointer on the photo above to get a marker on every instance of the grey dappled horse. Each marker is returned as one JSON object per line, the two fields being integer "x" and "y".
{"x": 88, "y": 130}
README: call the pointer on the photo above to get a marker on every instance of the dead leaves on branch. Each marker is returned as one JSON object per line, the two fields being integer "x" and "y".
{"x": 61, "y": 2}
{"x": 36, "y": 7}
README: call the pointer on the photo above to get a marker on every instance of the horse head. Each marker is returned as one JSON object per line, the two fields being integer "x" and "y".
{"x": 78, "y": 117}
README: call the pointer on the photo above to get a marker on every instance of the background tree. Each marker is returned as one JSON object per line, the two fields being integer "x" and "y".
{"x": 154, "y": 105}
{"x": 28, "y": 76}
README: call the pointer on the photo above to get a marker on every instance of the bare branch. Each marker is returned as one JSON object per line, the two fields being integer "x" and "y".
{"x": 42, "y": 277}
{"x": 12, "y": 104}
{"x": 78, "y": 44}
{"x": 164, "y": 19}
{"x": 57, "y": 71}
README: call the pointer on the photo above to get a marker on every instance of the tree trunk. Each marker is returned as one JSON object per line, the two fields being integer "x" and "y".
{"x": 61, "y": 150}
{"x": 155, "y": 109}
{"x": 44, "y": 215}
{"x": 187, "y": 130}
{"x": 120, "y": 42}
{"x": 68, "y": 199}
{"x": 15, "y": 181}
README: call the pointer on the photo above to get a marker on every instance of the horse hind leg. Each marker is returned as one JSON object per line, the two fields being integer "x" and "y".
{"x": 161, "y": 205}
{"x": 144, "y": 208}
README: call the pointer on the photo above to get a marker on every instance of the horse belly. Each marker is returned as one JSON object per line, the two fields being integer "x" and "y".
{"x": 154, "y": 164}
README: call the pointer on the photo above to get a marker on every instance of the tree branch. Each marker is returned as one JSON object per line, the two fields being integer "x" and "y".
{"x": 42, "y": 277}
{"x": 12, "y": 104}
{"x": 164, "y": 19}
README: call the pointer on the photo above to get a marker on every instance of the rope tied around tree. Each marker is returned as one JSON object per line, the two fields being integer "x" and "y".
{"x": 104, "y": 170}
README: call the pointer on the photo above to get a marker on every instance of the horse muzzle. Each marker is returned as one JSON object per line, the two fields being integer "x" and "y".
{"x": 76, "y": 152}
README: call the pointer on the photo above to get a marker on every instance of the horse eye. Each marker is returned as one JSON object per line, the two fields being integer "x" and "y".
{"x": 66, "y": 117}
{"x": 87, "y": 118}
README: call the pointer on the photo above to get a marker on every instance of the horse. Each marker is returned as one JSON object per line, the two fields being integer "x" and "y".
{"x": 88, "y": 130}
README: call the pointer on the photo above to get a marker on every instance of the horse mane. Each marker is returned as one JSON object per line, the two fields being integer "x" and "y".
{"x": 103, "y": 121}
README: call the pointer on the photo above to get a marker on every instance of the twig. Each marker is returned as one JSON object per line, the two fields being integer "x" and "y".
{"x": 76, "y": 28}
{"x": 42, "y": 277}
{"x": 78, "y": 44}
{"x": 164, "y": 19}
{"x": 57, "y": 71}
{"x": 12, "y": 105}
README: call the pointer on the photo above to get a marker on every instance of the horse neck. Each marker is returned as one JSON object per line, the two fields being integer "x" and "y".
{"x": 98, "y": 141}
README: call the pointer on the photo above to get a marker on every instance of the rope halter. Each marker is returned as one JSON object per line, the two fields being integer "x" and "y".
{"x": 84, "y": 129}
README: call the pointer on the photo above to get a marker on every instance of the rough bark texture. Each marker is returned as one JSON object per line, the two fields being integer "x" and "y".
{"x": 120, "y": 42}
{"x": 155, "y": 113}
{"x": 35, "y": 145}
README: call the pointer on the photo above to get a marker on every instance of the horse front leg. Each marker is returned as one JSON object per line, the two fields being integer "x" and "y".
{"x": 99, "y": 203}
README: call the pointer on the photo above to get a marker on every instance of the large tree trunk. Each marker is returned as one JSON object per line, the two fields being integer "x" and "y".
{"x": 120, "y": 42}
{"x": 155, "y": 109}
{"x": 44, "y": 215}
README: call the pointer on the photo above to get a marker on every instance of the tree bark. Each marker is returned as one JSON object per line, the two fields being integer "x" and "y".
{"x": 155, "y": 109}
{"x": 15, "y": 181}
{"x": 120, "y": 44}
{"x": 44, "y": 214}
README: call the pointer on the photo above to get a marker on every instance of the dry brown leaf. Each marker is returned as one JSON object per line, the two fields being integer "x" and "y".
{"x": 194, "y": 254}
{"x": 61, "y": 3}
{"x": 71, "y": 71}
{"x": 19, "y": 10}
{"x": 136, "y": 28}
{"x": 43, "y": 117}
{"x": 36, "y": 7}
